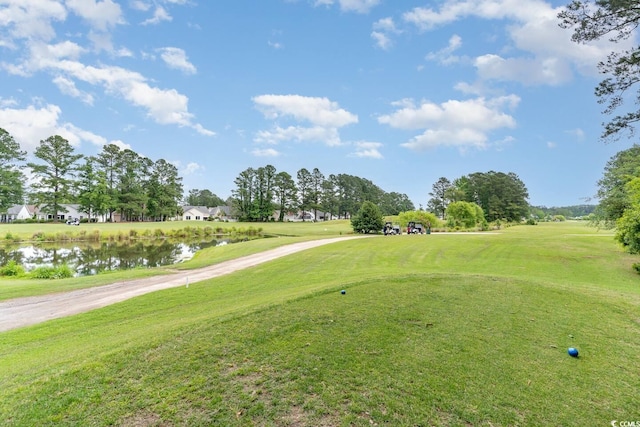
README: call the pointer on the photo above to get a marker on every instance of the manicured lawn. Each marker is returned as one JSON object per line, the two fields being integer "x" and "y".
{"x": 283, "y": 234}
{"x": 445, "y": 329}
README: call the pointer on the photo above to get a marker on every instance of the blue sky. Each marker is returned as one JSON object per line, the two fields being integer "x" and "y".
{"x": 398, "y": 92}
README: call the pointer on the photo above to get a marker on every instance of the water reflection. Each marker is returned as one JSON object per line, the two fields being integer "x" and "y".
{"x": 92, "y": 258}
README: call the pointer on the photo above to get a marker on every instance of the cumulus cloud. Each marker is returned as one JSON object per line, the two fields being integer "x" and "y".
{"x": 359, "y": 6}
{"x": 445, "y": 56}
{"x": 100, "y": 14}
{"x": 191, "y": 168}
{"x": 276, "y": 135}
{"x": 28, "y": 24}
{"x": 463, "y": 124}
{"x": 68, "y": 87}
{"x": 33, "y": 124}
{"x": 318, "y": 111}
{"x": 366, "y": 149}
{"x": 382, "y": 29}
{"x": 29, "y": 19}
{"x": 266, "y": 152}
{"x": 165, "y": 106}
{"x": 176, "y": 58}
{"x": 544, "y": 52}
{"x": 323, "y": 117}
{"x": 159, "y": 15}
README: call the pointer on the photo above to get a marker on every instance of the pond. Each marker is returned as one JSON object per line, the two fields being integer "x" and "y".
{"x": 89, "y": 258}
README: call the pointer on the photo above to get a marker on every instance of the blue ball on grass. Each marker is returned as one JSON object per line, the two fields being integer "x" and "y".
{"x": 343, "y": 292}
{"x": 573, "y": 352}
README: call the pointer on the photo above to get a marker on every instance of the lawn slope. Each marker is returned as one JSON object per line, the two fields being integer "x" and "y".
{"x": 432, "y": 330}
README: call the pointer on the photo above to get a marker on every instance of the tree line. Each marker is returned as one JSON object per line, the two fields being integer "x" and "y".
{"x": 115, "y": 180}
{"x": 501, "y": 196}
{"x": 260, "y": 192}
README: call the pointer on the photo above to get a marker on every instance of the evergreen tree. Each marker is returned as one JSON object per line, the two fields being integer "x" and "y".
{"x": 11, "y": 177}
{"x": 55, "y": 177}
{"x": 368, "y": 219}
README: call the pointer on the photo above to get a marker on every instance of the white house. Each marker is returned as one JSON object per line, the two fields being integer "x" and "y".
{"x": 203, "y": 213}
{"x": 68, "y": 211}
{"x": 16, "y": 212}
{"x": 195, "y": 213}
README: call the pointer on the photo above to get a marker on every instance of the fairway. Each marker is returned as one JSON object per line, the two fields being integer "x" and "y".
{"x": 446, "y": 329}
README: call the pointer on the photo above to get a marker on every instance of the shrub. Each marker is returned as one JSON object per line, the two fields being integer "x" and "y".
{"x": 12, "y": 269}
{"x": 48, "y": 272}
{"x": 464, "y": 214}
{"x": 9, "y": 236}
{"x": 636, "y": 267}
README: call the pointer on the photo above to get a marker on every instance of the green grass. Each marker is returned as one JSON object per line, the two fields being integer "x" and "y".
{"x": 17, "y": 232}
{"x": 286, "y": 233}
{"x": 433, "y": 330}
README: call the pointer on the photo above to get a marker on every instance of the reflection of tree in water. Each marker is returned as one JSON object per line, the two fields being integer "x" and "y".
{"x": 96, "y": 257}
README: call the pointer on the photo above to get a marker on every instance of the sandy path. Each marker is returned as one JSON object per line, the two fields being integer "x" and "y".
{"x": 20, "y": 312}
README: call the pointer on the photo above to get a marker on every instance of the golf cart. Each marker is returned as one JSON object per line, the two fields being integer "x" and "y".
{"x": 391, "y": 229}
{"x": 415, "y": 228}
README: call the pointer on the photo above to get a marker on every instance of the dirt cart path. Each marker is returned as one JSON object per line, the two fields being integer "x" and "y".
{"x": 20, "y": 312}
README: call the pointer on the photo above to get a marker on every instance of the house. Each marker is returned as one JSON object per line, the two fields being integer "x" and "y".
{"x": 68, "y": 211}
{"x": 16, "y": 212}
{"x": 221, "y": 213}
{"x": 203, "y": 213}
{"x": 195, "y": 213}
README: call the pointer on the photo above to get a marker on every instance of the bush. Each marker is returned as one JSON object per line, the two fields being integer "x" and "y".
{"x": 12, "y": 269}
{"x": 636, "y": 267}
{"x": 368, "y": 219}
{"x": 628, "y": 230}
{"x": 465, "y": 214}
{"x": 422, "y": 217}
{"x": 59, "y": 272}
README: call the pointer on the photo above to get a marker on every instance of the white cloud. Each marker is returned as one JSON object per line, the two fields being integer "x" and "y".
{"x": 359, "y": 6}
{"x": 318, "y": 111}
{"x": 30, "y": 19}
{"x": 529, "y": 71}
{"x": 102, "y": 15}
{"x": 120, "y": 144}
{"x": 140, "y": 5}
{"x": 366, "y": 149}
{"x": 453, "y": 123}
{"x": 382, "y": 40}
{"x": 164, "y": 106}
{"x": 545, "y": 53}
{"x": 328, "y": 136}
{"x": 445, "y": 56}
{"x": 33, "y": 124}
{"x": 177, "y": 58}
{"x": 267, "y": 152}
{"x": 385, "y": 24}
{"x": 159, "y": 15}
{"x": 324, "y": 116}
{"x": 68, "y": 87}
{"x": 192, "y": 168}
{"x": 381, "y": 31}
